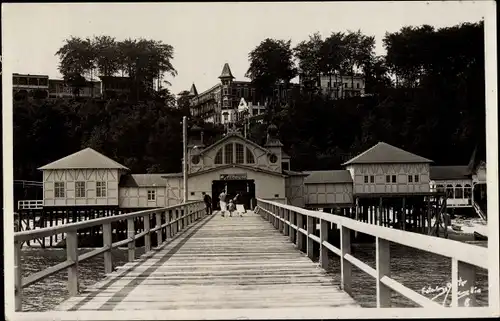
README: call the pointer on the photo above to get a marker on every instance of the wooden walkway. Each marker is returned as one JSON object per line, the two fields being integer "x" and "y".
{"x": 219, "y": 263}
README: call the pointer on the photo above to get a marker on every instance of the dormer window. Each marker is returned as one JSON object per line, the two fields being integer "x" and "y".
{"x": 273, "y": 158}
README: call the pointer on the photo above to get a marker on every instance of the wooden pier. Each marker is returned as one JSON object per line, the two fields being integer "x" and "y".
{"x": 221, "y": 263}
{"x": 263, "y": 261}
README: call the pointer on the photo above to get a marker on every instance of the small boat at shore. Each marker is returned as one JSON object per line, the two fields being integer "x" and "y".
{"x": 479, "y": 237}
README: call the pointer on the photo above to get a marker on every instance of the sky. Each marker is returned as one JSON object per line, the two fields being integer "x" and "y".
{"x": 207, "y": 35}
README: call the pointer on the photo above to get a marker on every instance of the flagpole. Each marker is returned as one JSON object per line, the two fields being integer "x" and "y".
{"x": 185, "y": 162}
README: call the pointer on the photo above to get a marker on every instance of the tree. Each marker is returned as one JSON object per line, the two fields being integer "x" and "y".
{"x": 142, "y": 60}
{"x": 308, "y": 54}
{"x": 271, "y": 67}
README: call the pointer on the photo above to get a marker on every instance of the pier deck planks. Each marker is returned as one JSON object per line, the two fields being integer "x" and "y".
{"x": 219, "y": 263}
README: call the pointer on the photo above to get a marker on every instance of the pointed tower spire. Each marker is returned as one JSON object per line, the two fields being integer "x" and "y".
{"x": 226, "y": 72}
{"x": 193, "y": 91}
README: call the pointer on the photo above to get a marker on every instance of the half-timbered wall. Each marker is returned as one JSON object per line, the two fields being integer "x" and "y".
{"x": 90, "y": 177}
{"x": 294, "y": 190}
{"x": 174, "y": 191}
{"x": 142, "y": 197}
{"x": 328, "y": 194}
{"x": 260, "y": 156}
{"x": 390, "y": 178}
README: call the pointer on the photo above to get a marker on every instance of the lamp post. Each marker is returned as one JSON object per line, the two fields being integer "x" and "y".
{"x": 185, "y": 160}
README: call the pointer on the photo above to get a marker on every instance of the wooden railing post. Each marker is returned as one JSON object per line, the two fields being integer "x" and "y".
{"x": 107, "y": 240}
{"x": 281, "y": 224}
{"x": 291, "y": 230}
{"x": 168, "y": 218}
{"x": 147, "y": 237}
{"x": 286, "y": 216}
{"x": 323, "y": 250}
{"x": 158, "y": 232}
{"x": 18, "y": 271}
{"x": 345, "y": 266}
{"x": 131, "y": 235}
{"x": 72, "y": 256}
{"x": 299, "y": 238}
{"x": 178, "y": 222}
{"x": 185, "y": 217}
{"x": 310, "y": 242}
{"x": 383, "y": 264}
{"x": 463, "y": 282}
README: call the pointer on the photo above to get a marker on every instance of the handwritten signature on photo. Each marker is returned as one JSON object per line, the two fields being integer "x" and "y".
{"x": 445, "y": 290}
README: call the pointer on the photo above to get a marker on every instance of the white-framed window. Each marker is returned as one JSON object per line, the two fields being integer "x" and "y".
{"x": 416, "y": 179}
{"x": 80, "y": 189}
{"x": 387, "y": 178}
{"x": 100, "y": 189}
{"x": 240, "y": 154}
{"x": 372, "y": 179}
{"x": 59, "y": 189}
{"x": 366, "y": 179}
{"x": 410, "y": 178}
{"x": 228, "y": 154}
{"x": 151, "y": 195}
{"x": 394, "y": 178}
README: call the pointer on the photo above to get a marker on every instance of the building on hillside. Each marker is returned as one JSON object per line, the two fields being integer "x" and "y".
{"x": 26, "y": 83}
{"x": 58, "y": 88}
{"x": 238, "y": 165}
{"x": 337, "y": 86}
{"x": 224, "y": 102}
{"x": 55, "y": 88}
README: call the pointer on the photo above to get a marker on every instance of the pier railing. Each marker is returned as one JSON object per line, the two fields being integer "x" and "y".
{"x": 169, "y": 221}
{"x": 300, "y": 225}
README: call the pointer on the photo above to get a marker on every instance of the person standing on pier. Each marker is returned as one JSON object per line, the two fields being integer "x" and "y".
{"x": 222, "y": 202}
{"x": 208, "y": 202}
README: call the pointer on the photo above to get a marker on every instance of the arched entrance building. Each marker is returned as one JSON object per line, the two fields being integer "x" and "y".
{"x": 237, "y": 165}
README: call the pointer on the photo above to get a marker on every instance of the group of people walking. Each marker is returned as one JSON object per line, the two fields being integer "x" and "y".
{"x": 226, "y": 203}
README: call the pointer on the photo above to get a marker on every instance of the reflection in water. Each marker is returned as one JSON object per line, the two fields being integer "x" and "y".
{"x": 413, "y": 268}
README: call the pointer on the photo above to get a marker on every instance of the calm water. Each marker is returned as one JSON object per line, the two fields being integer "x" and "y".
{"x": 413, "y": 268}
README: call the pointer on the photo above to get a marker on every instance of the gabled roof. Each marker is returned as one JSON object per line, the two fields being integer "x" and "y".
{"x": 143, "y": 180}
{"x": 193, "y": 91}
{"x": 231, "y": 135}
{"x": 252, "y": 168}
{"x": 449, "y": 172}
{"x": 85, "y": 159}
{"x": 226, "y": 72}
{"x": 383, "y": 153}
{"x": 294, "y": 173}
{"x": 328, "y": 177}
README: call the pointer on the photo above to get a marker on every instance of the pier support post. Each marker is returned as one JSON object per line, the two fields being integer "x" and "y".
{"x": 383, "y": 263}
{"x": 18, "y": 274}
{"x": 131, "y": 235}
{"x": 147, "y": 237}
{"x": 323, "y": 250}
{"x": 107, "y": 240}
{"x": 72, "y": 256}
{"x": 345, "y": 266}
{"x": 310, "y": 242}
{"x": 463, "y": 281}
